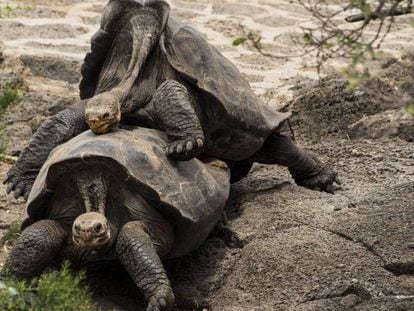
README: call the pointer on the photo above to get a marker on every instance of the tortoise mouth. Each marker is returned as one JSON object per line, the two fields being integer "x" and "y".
{"x": 91, "y": 231}
{"x": 102, "y": 127}
{"x": 103, "y": 113}
{"x": 93, "y": 243}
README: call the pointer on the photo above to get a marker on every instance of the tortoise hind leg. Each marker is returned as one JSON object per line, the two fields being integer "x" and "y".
{"x": 224, "y": 232}
{"x": 139, "y": 255}
{"x": 35, "y": 249}
{"x": 306, "y": 169}
{"x": 173, "y": 112}
{"x": 239, "y": 169}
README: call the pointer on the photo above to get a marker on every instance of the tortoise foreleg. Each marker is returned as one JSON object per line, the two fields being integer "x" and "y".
{"x": 35, "y": 249}
{"x": 140, "y": 258}
{"x": 173, "y": 111}
{"x": 54, "y": 131}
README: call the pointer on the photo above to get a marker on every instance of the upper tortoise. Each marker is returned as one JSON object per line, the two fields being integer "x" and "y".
{"x": 149, "y": 69}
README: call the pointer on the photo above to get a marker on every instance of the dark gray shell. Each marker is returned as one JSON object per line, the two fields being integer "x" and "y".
{"x": 191, "y": 194}
{"x": 243, "y": 122}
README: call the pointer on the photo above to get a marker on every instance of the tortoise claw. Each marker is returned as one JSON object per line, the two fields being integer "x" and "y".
{"x": 337, "y": 180}
{"x": 179, "y": 148}
{"x": 185, "y": 149}
{"x": 330, "y": 189}
{"x": 17, "y": 193}
{"x": 5, "y": 179}
{"x": 163, "y": 300}
{"x": 323, "y": 181}
{"x": 189, "y": 146}
{"x": 19, "y": 182}
{"x": 26, "y": 194}
{"x": 171, "y": 149}
{"x": 200, "y": 143}
{"x": 10, "y": 186}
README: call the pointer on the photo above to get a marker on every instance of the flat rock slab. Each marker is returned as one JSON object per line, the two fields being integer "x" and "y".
{"x": 383, "y": 222}
{"x": 303, "y": 264}
{"x": 50, "y": 67}
{"x": 16, "y": 30}
{"x": 355, "y": 303}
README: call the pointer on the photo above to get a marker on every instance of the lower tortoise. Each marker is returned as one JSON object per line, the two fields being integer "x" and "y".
{"x": 118, "y": 196}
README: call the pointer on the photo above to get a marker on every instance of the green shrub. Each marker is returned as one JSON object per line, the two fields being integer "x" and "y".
{"x": 9, "y": 11}
{"x": 12, "y": 232}
{"x": 8, "y": 95}
{"x": 57, "y": 291}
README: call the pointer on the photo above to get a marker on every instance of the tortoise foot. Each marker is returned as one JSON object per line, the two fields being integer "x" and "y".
{"x": 322, "y": 181}
{"x": 186, "y": 149}
{"x": 230, "y": 237}
{"x": 162, "y": 300}
{"x": 320, "y": 178}
{"x": 225, "y": 233}
{"x": 19, "y": 182}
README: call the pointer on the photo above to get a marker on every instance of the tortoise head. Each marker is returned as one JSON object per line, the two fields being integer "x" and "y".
{"x": 91, "y": 231}
{"x": 103, "y": 112}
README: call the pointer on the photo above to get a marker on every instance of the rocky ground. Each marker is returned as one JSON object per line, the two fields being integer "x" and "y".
{"x": 305, "y": 250}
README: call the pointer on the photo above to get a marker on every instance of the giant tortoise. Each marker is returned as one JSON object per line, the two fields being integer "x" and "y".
{"x": 118, "y": 195}
{"x": 150, "y": 68}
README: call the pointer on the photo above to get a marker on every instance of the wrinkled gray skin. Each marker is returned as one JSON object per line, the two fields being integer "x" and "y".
{"x": 99, "y": 210}
{"x": 147, "y": 69}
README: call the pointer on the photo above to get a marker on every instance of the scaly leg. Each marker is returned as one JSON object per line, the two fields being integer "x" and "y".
{"x": 54, "y": 131}
{"x": 239, "y": 169}
{"x": 139, "y": 255}
{"x": 305, "y": 168}
{"x": 35, "y": 249}
{"x": 173, "y": 112}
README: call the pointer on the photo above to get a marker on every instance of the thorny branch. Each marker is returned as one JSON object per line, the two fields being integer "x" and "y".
{"x": 330, "y": 38}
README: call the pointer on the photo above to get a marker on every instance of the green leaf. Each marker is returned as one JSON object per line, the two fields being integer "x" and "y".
{"x": 410, "y": 109}
{"x": 239, "y": 41}
{"x": 307, "y": 38}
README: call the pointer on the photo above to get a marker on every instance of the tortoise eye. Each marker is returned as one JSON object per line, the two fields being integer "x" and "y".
{"x": 106, "y": 115}
{"x": 97, "y": 227}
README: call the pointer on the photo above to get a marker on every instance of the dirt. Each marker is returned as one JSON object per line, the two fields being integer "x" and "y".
{"x": 305, "y": 250}
{"x": 53, "y": 31}
{"x": 375, "y": 109}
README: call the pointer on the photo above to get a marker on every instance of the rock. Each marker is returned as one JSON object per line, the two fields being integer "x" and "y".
{"x": 55, "y": 68}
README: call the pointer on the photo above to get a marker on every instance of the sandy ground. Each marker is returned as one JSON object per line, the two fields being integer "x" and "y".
{"x": 305, "y": 250}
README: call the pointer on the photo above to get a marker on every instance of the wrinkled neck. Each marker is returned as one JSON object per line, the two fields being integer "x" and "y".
{"x": 145, "y": 30}
{"x": 93, "y": 189}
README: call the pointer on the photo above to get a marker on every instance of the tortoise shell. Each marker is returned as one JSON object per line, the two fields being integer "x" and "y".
{"x": 243, "y": 121}
{"x": 191, "y": 194}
